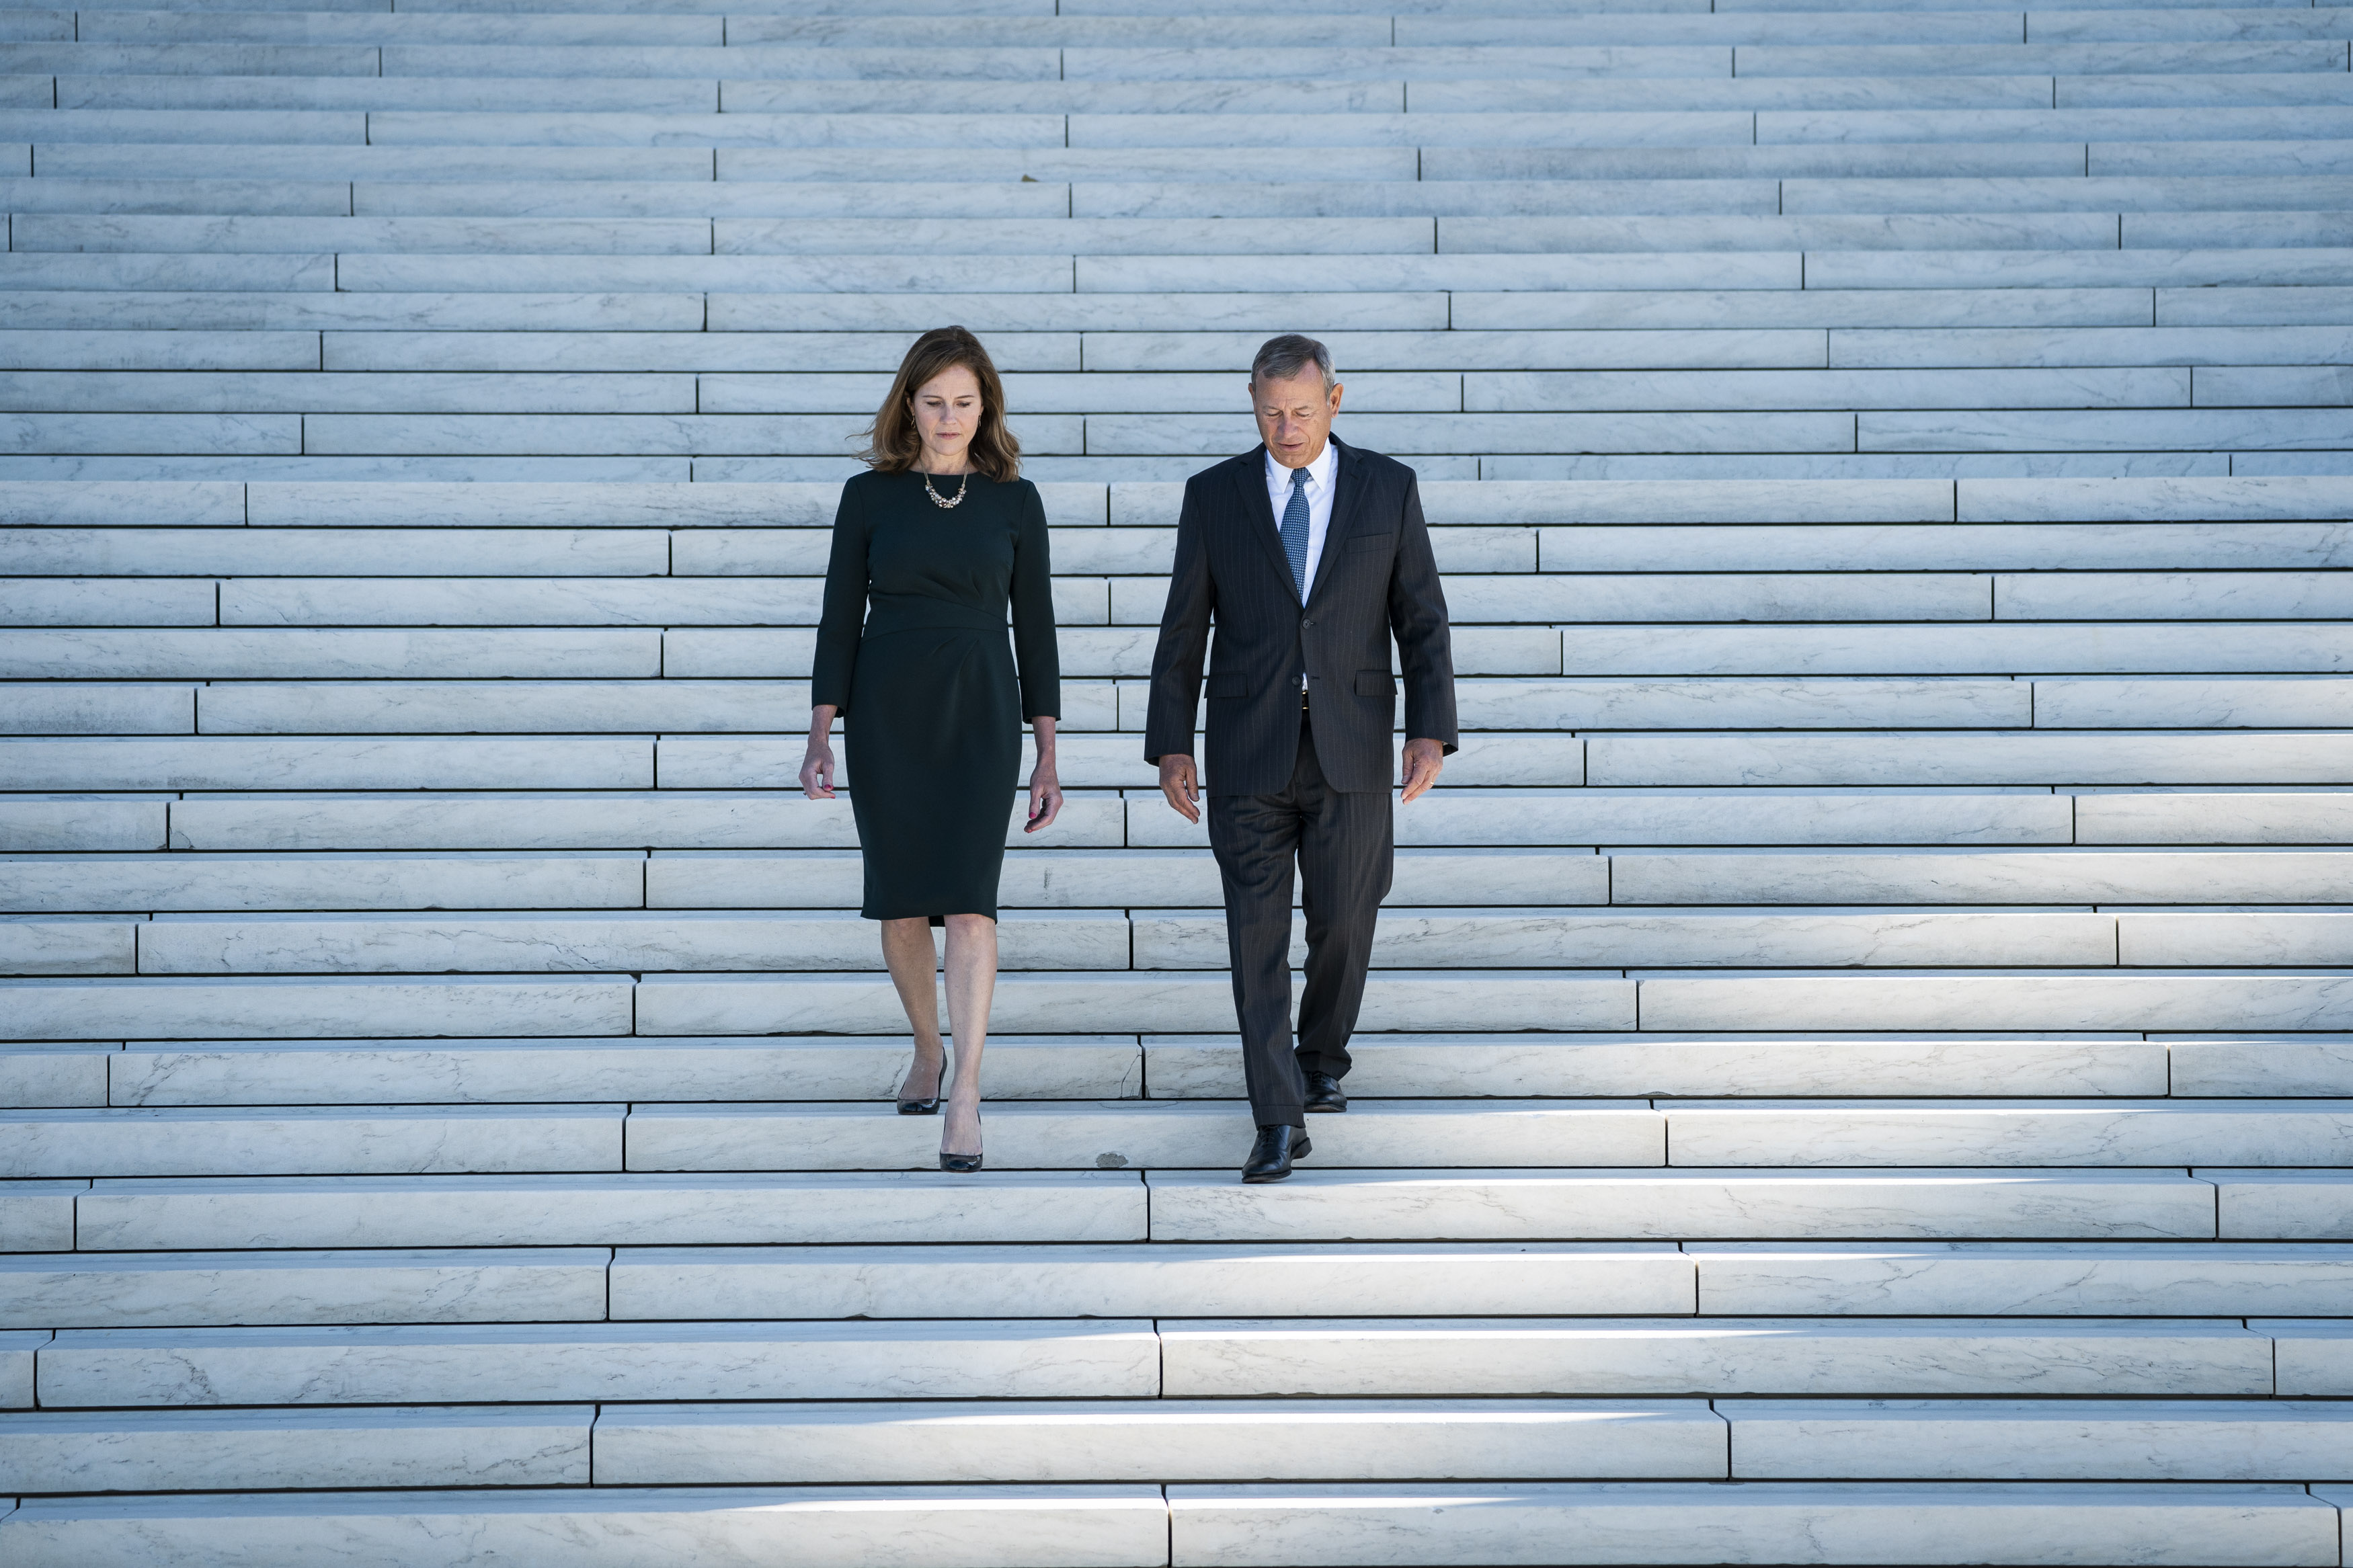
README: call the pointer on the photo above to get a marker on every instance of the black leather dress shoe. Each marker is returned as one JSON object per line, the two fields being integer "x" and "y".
{"x": 1271, "y": 1156}
{"x": 1324, "y": 1093}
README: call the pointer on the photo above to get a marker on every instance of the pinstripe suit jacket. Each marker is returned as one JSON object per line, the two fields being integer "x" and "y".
{"x": 1377, "y": 579}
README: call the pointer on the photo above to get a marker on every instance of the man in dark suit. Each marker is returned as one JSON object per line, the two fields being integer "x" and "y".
{"x": 1309, "y": 555}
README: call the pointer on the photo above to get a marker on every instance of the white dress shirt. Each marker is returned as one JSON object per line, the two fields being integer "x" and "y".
{"x": 1320, "y": 474}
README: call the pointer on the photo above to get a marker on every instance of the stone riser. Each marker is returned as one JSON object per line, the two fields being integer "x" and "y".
{"x": 1656, "y": 1522}
{"x": 1179, "y": 1135}
{"x": 1102, "y": 1440}
{"x": 969, "y": 1359}
{"x": 1163, "y": 1066}
{"x": 933, "y": 1280}
{"x": 147, "y": 1213}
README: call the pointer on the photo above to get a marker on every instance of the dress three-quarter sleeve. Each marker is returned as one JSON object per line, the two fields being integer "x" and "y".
{"x": 842, "y": 620}
{"x": 1033, "y": 613}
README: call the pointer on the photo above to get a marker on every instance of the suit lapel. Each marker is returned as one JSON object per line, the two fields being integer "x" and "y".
{"x": 1259, "y": 511}
{"x": 1347, "y": 494}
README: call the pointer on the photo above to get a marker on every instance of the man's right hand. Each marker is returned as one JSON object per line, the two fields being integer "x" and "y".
{"x": 1181, "y": 783}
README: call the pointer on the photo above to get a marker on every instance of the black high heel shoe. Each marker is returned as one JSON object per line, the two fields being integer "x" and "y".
{"x": 923, "y": 1107}
{"x": 963, "y": 1165}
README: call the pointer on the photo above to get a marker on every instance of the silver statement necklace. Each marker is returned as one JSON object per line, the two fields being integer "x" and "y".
{"x": 947, "y": 503}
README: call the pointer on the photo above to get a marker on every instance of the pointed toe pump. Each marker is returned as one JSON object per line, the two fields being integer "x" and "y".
{"x": 910, "y": 1106}
{"x": 963, "y": 1164}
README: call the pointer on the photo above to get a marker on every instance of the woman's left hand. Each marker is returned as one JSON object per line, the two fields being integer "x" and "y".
{"x": 1045, "y": 797}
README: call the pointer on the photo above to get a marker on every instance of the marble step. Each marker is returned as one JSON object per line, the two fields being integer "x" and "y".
{"x": 2177, "y": 1000}
{"x": 238, "y": 763}
{"x": 2308, "y": 1353}
{"x": 1091, "y": 1002}
{"x": 2104, "y": 876}
{"x": 1445, "y": 1066}
{"x": 585, "y": 348}
{"x": 85, "y": 947}
{"x": 2083, "y": 345}
{"x": 2255, "y": 1132}
{"x": 231, "y": 653}
{"x": 1183, "y": 939}
{"x": 205, "y": 1450}
{"x": 377, "y": 1212}
{"x": 1011, "y": 238}
{"x": 57, "y": 1143}
{"x": 36, "y": 822}
{"x": 357, "y": 27}
{"x": 925, "y": 1527}
{"x": 537, "y": 553}
{"x": 965, "y": 1358}
{"x": 195, "y": 1009}
{"x": 811, "y": 505}
{"x": 572, "y": 881}
{"x": 1498, "y": 817}
{"x": 644, "y": 942}
{"x": 343, "y": 1139}
{"x": 1918, "y": 1203}
{"x": 328, "y": 1072}
{"x": 1293, "y": 1280}
{"x": 1180, "y": 1067}
{"x": 2017, "y": 649}
{"x": 1288, "y": 1522}
{"x": 1114, "y": 1135}
{"x": 1120, "y": 1002}
{"x": 1206, "y": 1359}
{"x": 368, "y": 92}
{"x": 1584, "y": 222}
{"x": 341, "y": 1287}
{"x": 2226, "y": 1440}
{"x": 1105, "y": 1440}
{"x": 687, "y": 706}
{"x": 40, "y": 1215}
{"x": 247, "y": 605}
{"x": 2285, "y": 1206}
{"x": 16, "y": 1351}
{"x": 1341, "y": 1357}
{"x": 2013, "y": 1280}
{"x": 1650, "y": 938}
{"x": 1793, "y": 1521}
{"x": 2259, "y": 1064}
{"x": 581, "y": 880}
{"x": 1177, "y": 198}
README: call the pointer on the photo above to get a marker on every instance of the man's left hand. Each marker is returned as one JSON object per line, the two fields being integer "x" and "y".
{"x": 1422, "y": 762}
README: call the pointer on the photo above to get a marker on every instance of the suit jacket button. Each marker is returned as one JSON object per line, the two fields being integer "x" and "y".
{"x": 1307, "y": 621}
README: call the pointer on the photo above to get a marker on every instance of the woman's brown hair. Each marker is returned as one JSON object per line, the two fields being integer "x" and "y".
{"x": 892, "y": 442}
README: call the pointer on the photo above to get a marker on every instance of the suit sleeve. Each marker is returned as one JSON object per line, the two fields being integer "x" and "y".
{"x": 1184, "y": 643}
{"x": 1417, "y": 620}
{"x": 1034, "y": 648}
{"x": 842, "y": 618}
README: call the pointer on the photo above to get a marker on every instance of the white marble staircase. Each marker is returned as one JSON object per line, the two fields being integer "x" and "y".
{"x": 1860, "y": 1063}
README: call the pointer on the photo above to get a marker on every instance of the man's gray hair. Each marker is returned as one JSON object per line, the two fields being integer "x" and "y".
{"x": 1279, "y": 359}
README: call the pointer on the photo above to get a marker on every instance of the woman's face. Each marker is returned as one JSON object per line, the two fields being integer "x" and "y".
{"x": 947, "y": 413}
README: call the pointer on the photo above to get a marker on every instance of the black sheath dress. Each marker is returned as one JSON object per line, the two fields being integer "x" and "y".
{"x": 931, "y": 704}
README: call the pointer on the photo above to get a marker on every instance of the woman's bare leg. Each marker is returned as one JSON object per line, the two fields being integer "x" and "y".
{"x": 972, "y": 984}
{"x": 915, "y": 966}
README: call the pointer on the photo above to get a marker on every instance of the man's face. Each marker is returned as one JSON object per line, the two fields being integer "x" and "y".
{"x": 1295, "y": 415}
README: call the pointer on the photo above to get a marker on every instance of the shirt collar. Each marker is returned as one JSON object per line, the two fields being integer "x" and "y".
{"x": 1319, "y": 472}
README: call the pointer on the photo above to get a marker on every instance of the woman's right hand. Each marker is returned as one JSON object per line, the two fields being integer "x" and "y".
{"x": 817, "y": 763}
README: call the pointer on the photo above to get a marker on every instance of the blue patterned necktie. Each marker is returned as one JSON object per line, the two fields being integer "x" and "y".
{"x": 1294, "y": 532}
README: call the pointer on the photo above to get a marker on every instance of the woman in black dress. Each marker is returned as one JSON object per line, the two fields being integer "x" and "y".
{"x": 929, "y": 550}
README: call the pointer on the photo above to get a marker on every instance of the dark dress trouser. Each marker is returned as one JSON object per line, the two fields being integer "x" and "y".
{"x": 1345, "y": 846}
